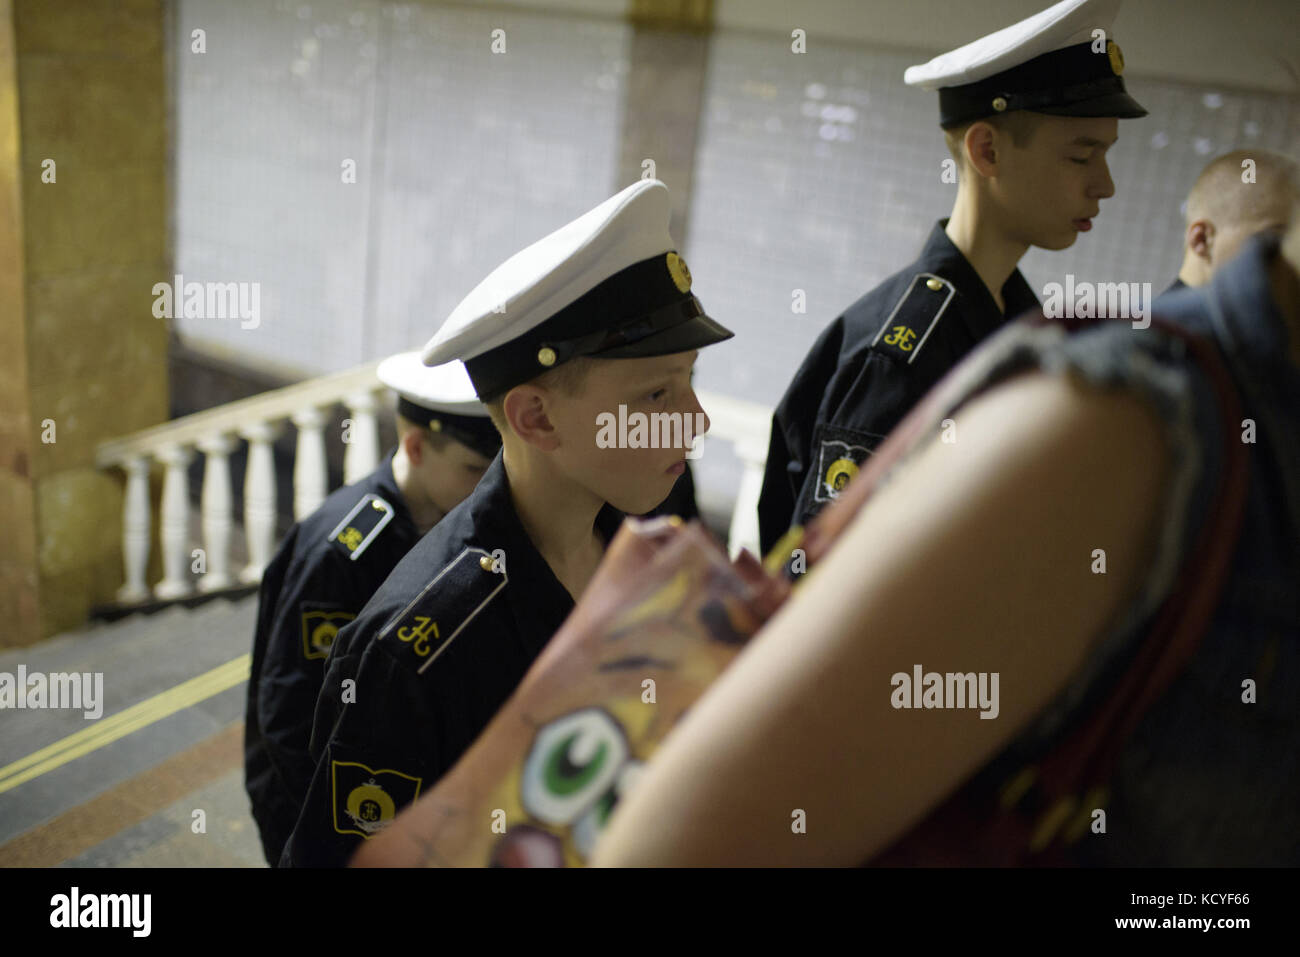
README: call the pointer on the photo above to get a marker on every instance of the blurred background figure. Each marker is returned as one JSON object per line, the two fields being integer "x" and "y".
{"x": 1237, "y": 195}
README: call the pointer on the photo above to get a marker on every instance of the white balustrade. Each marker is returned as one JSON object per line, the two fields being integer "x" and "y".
{"x": 259, "y": 419}
{"x": 744, "y": 514}
{"x": 175, "y": 526}
{"x": 259, "y": 499}
{"x": 362, "y": 455}
{"x": 135, "y": 530}
{"x": 310, "y": 472}
{"x": 216, "y": 506}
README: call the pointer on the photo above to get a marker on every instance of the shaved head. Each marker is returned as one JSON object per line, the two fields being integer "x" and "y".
{"x": 1236, "y": 195}
{"x": 1220, "y": 195}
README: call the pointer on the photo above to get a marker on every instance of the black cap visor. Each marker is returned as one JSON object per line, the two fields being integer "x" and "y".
{"x": 695, "y": 333}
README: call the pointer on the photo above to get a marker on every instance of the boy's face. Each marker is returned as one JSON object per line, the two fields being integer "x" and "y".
{"x": 596, "y": 449}
{"x": 448, "y": 474}
{"x": 1048, "y": 191}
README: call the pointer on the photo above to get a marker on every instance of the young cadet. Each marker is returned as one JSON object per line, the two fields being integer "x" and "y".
{"x": 333, "y": 560}
{"x": 1110, "y": 438}
{"x": 1237, "y": 195}
{"x": 596, "y": 316}
{"x": 1028, "y": 113}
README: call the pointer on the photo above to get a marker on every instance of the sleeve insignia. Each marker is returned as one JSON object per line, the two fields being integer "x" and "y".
{"x": 366, "y": 800}
{"x": 840, "y": 454}
{"x": 319, "y": 626}
{"x": 914, "y": 317}
{"x": 445, "y": 606}
{"x": 362, "y": 525}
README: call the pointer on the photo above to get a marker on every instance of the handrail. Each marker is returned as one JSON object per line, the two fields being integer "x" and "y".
{"x": 258, "y": 420}
{"x": 271, "y": 406}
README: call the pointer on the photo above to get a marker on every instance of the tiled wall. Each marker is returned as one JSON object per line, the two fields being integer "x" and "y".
{"x": 817, "y": 171}
{"x": 462, "y": 156}
{"x": 821, "y": 172}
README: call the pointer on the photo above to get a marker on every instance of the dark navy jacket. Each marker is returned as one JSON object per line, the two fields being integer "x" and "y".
{"x": 325, "y": 571}
{"x": 866, "y": 371}
{"x": 421, "y": 671}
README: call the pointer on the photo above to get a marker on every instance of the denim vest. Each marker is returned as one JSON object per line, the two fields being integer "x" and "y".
{"x": 1207, "y": 778}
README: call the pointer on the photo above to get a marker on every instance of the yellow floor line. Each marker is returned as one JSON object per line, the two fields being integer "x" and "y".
{"x": 125, "y": 722}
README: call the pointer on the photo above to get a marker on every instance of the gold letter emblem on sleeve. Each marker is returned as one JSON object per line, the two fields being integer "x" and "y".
{"x": 920, "y": 307}
{"x": 454, "y": 597}
{"x": 361, "y": 525}
{"x": 419, "y": 633}
{"x": 901, "y": 337}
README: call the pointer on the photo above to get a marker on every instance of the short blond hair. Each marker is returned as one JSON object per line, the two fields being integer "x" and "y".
{"x": 1018, "y": 124}
{"x": 567, "y": 379}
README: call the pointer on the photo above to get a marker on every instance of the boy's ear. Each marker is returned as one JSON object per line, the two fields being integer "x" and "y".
{"x": 980, "y": 142}
{"x": 526, "y": 411}
{"x": 1200, "y": 237}
{"x": 413, "y": 446}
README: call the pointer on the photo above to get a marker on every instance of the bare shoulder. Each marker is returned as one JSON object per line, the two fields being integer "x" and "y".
{"x": 979, "y": 556}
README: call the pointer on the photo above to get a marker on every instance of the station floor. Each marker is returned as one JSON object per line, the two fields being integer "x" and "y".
{"x": 124, "y": 790}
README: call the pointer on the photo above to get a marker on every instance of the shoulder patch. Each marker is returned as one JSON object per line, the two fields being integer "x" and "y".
{"x": 445, "y": 606}
{"x": 365, "y": 800}
{"x": 320, "y": 624}
{"x": 914, "y": 317}
{"x": 840, "y": 454}
{"x": 362, "y": 525}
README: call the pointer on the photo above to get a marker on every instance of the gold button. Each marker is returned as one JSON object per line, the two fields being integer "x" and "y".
{"x": 485, "y": 563}
{"x": 934, "y": 284}
{"x": 435, "y": 425}
{"x": 999, "y": 103}
{"x": 546, "y": 356}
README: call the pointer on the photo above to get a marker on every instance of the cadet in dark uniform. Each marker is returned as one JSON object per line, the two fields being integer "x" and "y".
{"x": 1027, "y": 178}
{"x": 330, "y": 564}
{"x": 595, "y": 316}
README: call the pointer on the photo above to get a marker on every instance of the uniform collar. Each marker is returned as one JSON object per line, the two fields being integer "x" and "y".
{"x": 496, "y": 524}
{"x": 943, "y": 258}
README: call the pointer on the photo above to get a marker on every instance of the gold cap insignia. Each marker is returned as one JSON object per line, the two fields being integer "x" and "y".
{"x": 681, "y": 275}
{"x": 1116, "y": 57}
{"x": 546, "y": 356}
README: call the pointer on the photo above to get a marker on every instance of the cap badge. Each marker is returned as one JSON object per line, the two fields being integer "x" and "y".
{"x": 546, "y": 356}
{"x": 681, "y": 275}
{"x": 1116, "y": 57}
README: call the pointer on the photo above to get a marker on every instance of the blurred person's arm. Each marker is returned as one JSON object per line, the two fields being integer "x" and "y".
{"x": 977, "y": 556}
